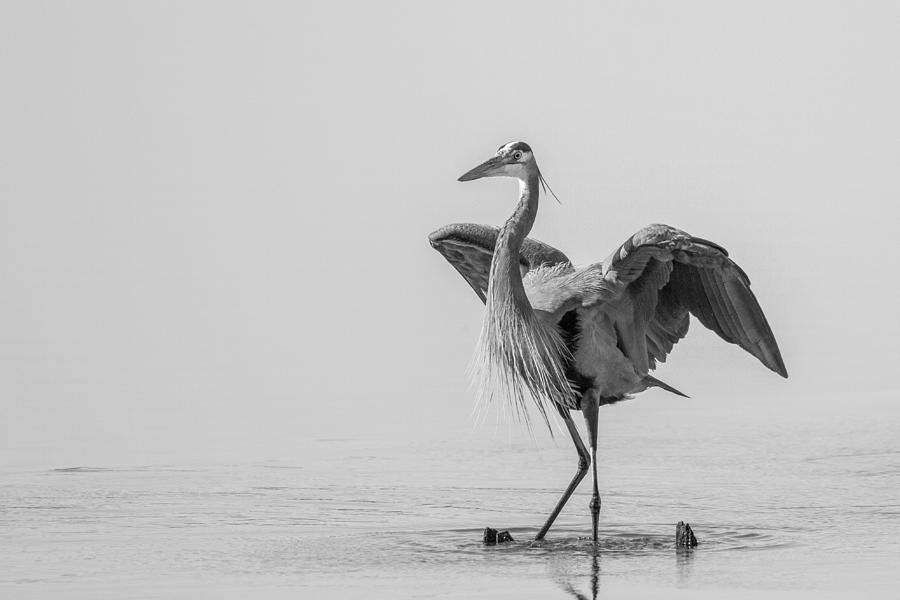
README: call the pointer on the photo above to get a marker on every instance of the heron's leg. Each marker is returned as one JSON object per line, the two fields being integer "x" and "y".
{"x": 583, "y": 458}
{"x": 590, "y": 406}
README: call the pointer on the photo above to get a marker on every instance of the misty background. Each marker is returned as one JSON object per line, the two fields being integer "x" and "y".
{"x": 214, "y": 216}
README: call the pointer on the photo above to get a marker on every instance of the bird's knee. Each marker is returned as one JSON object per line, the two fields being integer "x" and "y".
{"x": 595, "y": 504}
{"x": 584, "y": 462}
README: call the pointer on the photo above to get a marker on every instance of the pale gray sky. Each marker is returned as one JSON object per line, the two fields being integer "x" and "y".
{"x": 213, "y": 215}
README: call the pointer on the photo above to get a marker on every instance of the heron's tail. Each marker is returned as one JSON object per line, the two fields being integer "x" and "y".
{"x": 650, "y": 381}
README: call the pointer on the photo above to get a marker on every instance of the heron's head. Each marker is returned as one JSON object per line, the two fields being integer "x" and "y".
{"x": 514, "y": 159}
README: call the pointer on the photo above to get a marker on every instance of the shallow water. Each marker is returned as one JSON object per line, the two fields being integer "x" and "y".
{"x": 793, "y": 505}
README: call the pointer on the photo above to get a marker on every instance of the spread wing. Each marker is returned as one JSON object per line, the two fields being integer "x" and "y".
{"x": 470, "y": 247}
{"x": 649, "y": 286}
{"x": 659, "y": 276}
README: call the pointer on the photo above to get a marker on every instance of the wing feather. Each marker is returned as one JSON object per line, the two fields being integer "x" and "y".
{"x": 469, "y": 247}
{"x": 700, "y": 279}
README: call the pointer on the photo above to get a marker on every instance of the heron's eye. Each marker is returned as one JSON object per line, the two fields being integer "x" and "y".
{"x": 517, "y": 155}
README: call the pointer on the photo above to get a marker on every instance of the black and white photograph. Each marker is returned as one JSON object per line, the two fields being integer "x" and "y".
{"x": 449, "y": 300}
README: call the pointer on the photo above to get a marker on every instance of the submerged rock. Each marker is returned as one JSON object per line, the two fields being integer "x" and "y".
{"x": 684, "y": 536}
{"x": 492, "y": 536}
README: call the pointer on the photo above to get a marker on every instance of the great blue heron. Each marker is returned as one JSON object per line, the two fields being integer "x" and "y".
{"x": 578, "y": 338}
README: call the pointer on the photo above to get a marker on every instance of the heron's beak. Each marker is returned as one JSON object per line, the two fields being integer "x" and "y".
{"x": 485, "y": 169}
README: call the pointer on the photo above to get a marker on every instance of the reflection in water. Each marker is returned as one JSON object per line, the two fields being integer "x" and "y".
{"x": 684, "y": 563}
{"x": 567, "y": 560}
{"x": 565, "y": 581}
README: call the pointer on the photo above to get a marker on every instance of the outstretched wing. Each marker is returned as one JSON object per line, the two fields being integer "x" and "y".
{"x": 470, "y": 247}
{"x": 659, "y": 275}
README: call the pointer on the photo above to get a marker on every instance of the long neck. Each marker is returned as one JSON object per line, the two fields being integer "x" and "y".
{"x": 518, "y": 355}
{"x": 506, "y": 277}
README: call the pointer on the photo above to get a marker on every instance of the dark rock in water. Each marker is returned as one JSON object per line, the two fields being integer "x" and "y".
{"x": 684, "y": 536}
{"x": 492, "y": 536}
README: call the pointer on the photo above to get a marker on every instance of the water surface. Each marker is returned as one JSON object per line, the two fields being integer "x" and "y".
{"x": 786, "y": 505}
